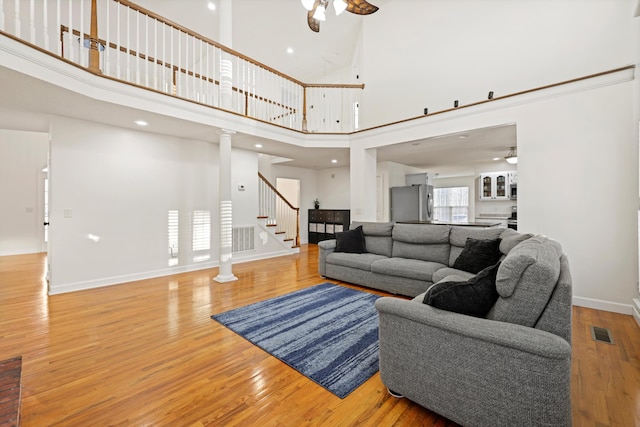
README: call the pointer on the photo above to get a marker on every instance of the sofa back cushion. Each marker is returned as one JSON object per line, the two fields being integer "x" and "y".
{"x": 509, "y": 239}
{"x": 459, "y": 235}
{"x": 377, "y": 236}
{"x": 526, "y": 280}
{"x": 427, "y": 242}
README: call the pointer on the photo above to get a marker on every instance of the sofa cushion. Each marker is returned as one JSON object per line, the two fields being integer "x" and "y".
{"x": 351, "y": 241}
{"x": 459, "y": 234}
{"x": 446, "y": 272}
{"x": 423, "y": 242}
{"x": 525, "y": 281}
{"x": 509, "y": 238}
{"x": 359, "y": 261}
{"x": 377, "y": 236}
{"x": 475, "y": 297}
{"x": 477, "y": 255}
{"x": 407, "y": 268}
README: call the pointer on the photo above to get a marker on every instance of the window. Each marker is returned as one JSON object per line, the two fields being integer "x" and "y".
{"x": 201, "y": 241}
{"x": 173, "y": 236}
{"x": 451, "y": 204}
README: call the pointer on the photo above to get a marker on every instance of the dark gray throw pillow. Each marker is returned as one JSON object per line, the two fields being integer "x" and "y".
{"x": 351, "y": 241}
{"x": 477, "y": 255}
{"x": 475, "y": 297}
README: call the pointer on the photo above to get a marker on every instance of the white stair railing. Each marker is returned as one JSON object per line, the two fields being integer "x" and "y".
{"x": 121, "y": 40}
{"x": 278, "y": 212}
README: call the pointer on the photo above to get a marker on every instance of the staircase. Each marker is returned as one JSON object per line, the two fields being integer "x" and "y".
{"x": 277, "y": 215}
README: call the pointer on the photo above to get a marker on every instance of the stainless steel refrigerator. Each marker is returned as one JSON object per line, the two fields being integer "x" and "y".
{"x": 412, "y": 203}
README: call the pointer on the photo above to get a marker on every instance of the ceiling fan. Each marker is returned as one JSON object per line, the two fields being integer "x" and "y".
{"x": 317, "y": 10}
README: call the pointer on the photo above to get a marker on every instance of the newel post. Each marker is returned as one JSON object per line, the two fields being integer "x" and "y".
{"x": 94, "y": 52}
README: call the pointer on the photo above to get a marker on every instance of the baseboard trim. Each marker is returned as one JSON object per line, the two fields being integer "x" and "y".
{"x": 257, "y": 257}
{"x": 598, "y": 304}
{"x": 636, "y": 310}
{"x": 20, "y": 252}
{"x": 118, "y": 280}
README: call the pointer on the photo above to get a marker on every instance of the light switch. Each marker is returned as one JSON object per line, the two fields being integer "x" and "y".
{"x": 68, "y": 213}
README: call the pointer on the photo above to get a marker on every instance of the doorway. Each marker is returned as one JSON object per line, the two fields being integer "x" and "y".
{"x": 290, "y": 190}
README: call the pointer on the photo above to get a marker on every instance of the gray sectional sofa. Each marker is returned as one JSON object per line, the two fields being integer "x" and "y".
{"x": 406, "y": 259}
{"x": 511, "y": 367}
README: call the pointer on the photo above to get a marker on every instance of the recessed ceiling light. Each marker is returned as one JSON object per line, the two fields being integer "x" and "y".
{"x": 289, "y": 50}
{"x": 141, "y": 123}
{"x": 334, "y": 161}
{"x": 258, "y": 145}
{"x": 463, "y": 136}
{"x": 496, "y": 158}
{"x": 211, "y": 5}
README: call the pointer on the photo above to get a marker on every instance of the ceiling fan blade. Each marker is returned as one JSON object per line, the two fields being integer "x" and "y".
{"x": 361, "y": 7}
{"x": 314, "y": 24}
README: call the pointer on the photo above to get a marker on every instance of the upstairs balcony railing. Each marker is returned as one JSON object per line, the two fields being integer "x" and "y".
{"x": 125, "y": 42}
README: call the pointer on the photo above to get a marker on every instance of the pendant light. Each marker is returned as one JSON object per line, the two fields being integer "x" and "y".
{"x": 512, "y": 157}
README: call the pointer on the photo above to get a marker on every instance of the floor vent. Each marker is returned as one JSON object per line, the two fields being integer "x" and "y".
{"x": 601, "y": 334}
{"x": 243, "y": 239}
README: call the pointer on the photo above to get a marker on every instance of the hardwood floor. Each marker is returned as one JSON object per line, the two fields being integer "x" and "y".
{"x": 147, "y": 353}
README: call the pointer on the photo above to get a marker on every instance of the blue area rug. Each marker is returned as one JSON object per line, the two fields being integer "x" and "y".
{"x": 328, "y": 333}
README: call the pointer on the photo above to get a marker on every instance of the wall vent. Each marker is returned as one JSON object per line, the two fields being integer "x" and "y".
{"x": 601, "y": 334}
{"x": 243, "y": 239}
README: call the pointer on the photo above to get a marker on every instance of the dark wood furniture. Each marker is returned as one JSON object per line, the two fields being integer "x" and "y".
{"x": 325, "y": 223}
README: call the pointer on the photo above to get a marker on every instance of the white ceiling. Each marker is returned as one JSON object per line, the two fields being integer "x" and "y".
{"x": 315, "y": 56}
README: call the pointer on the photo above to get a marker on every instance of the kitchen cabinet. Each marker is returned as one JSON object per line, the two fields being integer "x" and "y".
{"x": 325, "y": 223}
{"x": 494, "y": 186}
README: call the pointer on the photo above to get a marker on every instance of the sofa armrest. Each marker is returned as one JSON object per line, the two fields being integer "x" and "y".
{"x": 509, "y": 335}
{"x": 474, "y": 371}
{"x": 325, "y": 247}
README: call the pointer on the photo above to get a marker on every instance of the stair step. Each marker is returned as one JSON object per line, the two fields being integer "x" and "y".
{"x": 272, "y": 225}
{"x": 280, "y": 232}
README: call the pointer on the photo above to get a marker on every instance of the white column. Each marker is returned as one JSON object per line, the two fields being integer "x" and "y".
{"x": 226, "y": 63}
{"x": 225, "y": 13}
{"x": 225, "y": 273}
{"x": 363, "y": 166}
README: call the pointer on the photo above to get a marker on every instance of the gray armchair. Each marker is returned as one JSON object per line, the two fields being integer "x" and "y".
{"x": 512, "y": 368}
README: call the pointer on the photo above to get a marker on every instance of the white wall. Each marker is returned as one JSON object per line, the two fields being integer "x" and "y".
{"x": 245, "y": 202}
{"x": 589, "y": 205}
{"x": 460, "y": 50}
{"x": 111, "y": 191}
{"x": 333, "y": 188}
{"x": 23, "y": 155}
{"x": 118, "y": 184}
